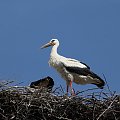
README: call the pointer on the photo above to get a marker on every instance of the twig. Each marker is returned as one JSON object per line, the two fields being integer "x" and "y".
{"x": 107, "y": 85}
{"x": 106, "y": 109}
{"x": 62, "y": 118}
{"x": 56, "y": 89}
{"x": 86, "y": 90}
{"x": 62, "y": 89}
{"x": 5, "y": 118}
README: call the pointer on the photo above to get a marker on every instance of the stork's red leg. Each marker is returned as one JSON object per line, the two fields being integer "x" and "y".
{"x": 69, "y": 84}
{"x": 71, "y": 89}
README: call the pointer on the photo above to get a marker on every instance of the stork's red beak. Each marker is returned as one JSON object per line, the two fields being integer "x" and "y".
{"x": 46, "y": 45}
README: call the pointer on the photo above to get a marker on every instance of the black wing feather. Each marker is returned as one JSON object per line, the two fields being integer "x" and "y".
{"x": 85, "y": 72}
{"x": 82, "y": 71}
{"x": 85, "y": 65}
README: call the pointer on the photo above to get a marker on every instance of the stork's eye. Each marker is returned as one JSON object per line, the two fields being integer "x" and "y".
{"x": 52, "y": 40}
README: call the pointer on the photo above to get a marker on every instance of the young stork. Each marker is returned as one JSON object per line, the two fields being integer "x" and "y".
{"x": 46, "y": 83}
{"x": 72, "y": 70}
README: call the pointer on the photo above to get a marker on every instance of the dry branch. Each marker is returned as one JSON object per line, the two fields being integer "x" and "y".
{"x": 19, "y": 103}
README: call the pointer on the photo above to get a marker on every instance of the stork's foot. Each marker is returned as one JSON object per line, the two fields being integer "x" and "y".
{"x": 66, "y": 94}
{"x": 73, "y": 92}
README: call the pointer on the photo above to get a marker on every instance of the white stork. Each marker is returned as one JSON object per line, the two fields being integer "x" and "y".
{"x": 72, "y": 70}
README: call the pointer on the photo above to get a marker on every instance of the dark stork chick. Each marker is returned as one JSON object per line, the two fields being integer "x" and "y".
{"x": 46, "y": 83}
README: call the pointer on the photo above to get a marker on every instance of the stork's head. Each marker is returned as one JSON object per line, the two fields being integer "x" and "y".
{"x": 52, "y": 42}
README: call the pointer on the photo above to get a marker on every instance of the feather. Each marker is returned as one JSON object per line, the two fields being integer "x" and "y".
{"x": 86, "y": 72}
{"x": 74, "y": 63}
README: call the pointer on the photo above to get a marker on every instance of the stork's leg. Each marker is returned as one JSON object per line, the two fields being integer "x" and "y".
{"x": 71, "y": 89}
{"x": 69, "y": 84}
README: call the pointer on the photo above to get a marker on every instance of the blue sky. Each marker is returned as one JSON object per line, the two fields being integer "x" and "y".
{"x": 88, "y": 30}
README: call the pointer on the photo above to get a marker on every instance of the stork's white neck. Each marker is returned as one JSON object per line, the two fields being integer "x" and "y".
{"x": 54, "y": 51}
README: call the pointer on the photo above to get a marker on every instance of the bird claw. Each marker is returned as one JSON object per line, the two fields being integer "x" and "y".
{"x": 73, "y": 92}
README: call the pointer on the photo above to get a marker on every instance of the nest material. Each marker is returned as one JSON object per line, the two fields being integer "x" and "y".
{"x": 21, "y": 104}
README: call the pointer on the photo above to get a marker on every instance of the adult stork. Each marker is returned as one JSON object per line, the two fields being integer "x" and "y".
{"x": 72, "y": 70}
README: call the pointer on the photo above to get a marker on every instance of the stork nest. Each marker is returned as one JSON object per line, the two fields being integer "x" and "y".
{"x": 19, "y": 103}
